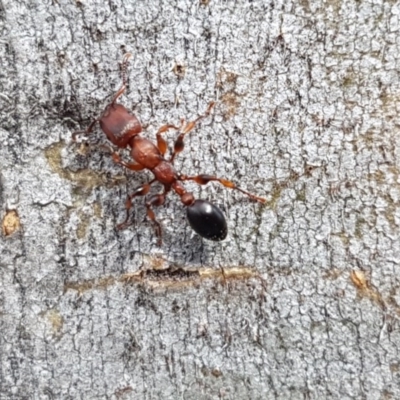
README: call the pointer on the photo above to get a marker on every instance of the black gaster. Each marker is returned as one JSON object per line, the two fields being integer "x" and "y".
{"x": 207, "y": 220}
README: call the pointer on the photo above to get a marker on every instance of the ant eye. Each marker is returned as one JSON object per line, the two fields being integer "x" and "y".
{"x": 207, "y": 220}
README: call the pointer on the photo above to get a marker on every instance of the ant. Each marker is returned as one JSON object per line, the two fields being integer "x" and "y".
{"x": 123, "y": 129}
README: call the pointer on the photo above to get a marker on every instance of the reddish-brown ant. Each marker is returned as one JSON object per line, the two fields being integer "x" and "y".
{"x": 123, "y": 130}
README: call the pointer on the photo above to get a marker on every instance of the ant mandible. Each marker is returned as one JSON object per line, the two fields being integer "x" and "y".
{"x": 123, "y": 130}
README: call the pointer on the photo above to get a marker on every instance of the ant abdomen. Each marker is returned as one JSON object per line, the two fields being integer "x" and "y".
{"x": 207, "y": 220}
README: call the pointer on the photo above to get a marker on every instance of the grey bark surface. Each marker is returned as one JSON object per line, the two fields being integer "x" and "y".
{"x": 302, "y": 299}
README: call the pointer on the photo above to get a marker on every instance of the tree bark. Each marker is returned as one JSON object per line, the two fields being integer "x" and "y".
{"x": 301, "y": 300}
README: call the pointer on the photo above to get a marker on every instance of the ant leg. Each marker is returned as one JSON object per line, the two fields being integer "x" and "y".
{"x": 117, "y": 159}
{"x": 161, "y": 142}
{"x": 85, "y": 132}
{"x": 118, "y": 94}
{"x": 204, "y": 179}
{"x": 131, "y": 165}
{"x": 179, "y": 145}
{"x": 139, "y": 191}
{"x": 124, "y": 66}
{"x": 156, "y": 201}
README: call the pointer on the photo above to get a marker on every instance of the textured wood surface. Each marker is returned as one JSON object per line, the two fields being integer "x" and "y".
{"x": 302, "y": 299}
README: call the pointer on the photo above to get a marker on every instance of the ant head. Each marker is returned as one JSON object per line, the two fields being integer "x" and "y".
{"x": 118, "y": 124}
